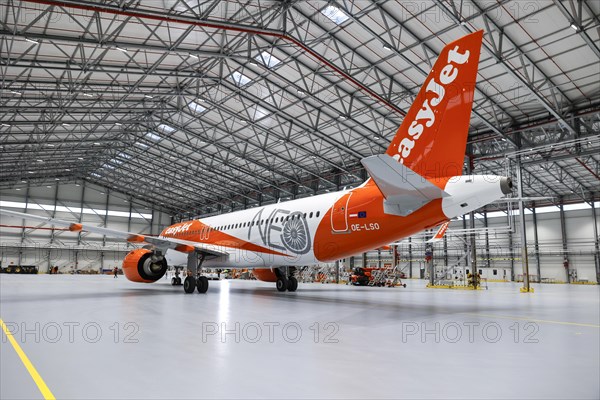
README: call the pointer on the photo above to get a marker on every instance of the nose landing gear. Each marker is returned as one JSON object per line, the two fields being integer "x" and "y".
{"x": 286, "y": 279}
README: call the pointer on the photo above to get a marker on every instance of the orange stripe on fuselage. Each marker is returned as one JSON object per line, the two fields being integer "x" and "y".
{"x": 376, "y": 230}
{"x": 196, "y": 232}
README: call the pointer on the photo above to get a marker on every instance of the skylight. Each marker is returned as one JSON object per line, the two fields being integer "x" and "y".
{"x": 335, "y": 14}
{"x": 153, "y": 136}
{"x": 108, "y": 166}
{"x": 268, "y": 59}
{"x": 115, "y": 161}
{"x": 142, "y": 145}
{"x": 96, "y": 175}
{"x": 166, "y": 128}
{"x": 239, "y": 79}
{"x": 197, "y": 108}
{"x": 124, "y": 155}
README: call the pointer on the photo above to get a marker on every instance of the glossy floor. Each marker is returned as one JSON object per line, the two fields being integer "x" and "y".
{"x": 99, "y": 337}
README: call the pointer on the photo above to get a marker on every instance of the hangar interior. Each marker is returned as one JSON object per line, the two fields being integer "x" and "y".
{"x": 133, "y": 115}
{"x": 188, "y": 109}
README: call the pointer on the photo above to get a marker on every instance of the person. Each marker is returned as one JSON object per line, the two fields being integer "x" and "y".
{"x": 116, "y": 271}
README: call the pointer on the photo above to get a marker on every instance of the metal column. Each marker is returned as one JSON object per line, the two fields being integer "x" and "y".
{"x": 410, "y": 263}
{"x": 563, "y": 230}
{"x": 536, "y": 244}
{"x": 524, "y": 257}
{"x": 596, "y": 244}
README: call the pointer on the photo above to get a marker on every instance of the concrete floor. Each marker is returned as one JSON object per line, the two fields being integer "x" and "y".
{"x": 368, "y": 344}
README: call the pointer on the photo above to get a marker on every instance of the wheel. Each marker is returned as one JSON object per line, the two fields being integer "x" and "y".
{"x": 174, "y": 281}
{"x": 178, "y": 280}
{"x": 202, "y": 284}
{"x": 282, "y": 284}
{"x": 292, "y": 284}
{"x": 189, "y": 284}
{"x": 404, "y": 285}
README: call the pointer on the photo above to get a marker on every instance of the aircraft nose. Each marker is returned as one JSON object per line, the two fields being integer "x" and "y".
{"x": 506, "y": 185}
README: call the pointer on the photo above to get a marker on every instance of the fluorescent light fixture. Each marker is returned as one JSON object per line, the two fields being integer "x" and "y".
{"x": 49, "y": 145}
{"x": 77, "y": 184}
{"x": 118, "y": 124}
{"x": 166, "y": 128}
{"x": 40, "y": 160}
{"x": 574, "y": 26}
{"x": 335, "y": 14}
{"x": 239, "y": 79}
{"x": 268, "y": 59}
{"x": 193, "y": 56}
{"x": 301, "y": 92}
{"x": 87, "y": 95}
{"x": 17, "y": 189}
{"x": 56, "y": 179}
{"x": 153, "y": 136}
{"x": 49, "y": 187}
{"x": 67, "y": 169}
{"x": 23, "y": 181}
{"x": 148, "y": 96}
{"x": 7, "y": 125}
{"x": 15, "y": 92}
{"x": 121, "y": 49}
{"x": 142, "y": 145}
{"x": 342, "y": 117}
{"x": 32, "y": 41}
{"x": 387, "y": 47}
{"x": 96, "y": 143}
{"x": 65, "y": 124}
{"x": 30, "y": 172}
{"x": 96, "y": 175}
{"x": 197, "y": 108}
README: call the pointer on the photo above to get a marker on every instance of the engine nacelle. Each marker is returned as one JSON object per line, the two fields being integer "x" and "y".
{"x": 143, "y": 265}
{"x": 264, "y": 274}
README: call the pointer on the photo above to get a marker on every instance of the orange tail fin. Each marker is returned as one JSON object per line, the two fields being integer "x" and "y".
{"x": 432, "y": 139}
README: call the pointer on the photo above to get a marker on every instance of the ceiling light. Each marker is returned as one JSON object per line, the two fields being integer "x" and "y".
{"x": 15, "y": 92}
{"x": 193, "y": 56}
{"x": 40, "y": 160}
{"x": 67, "y": 169}
{"x": 31, "y": 41}
{"x": 574, "y": 27}
{"x": 49, "y": 187}
{"x": 65, "y": 124}
{"x": 77, "y": 184}
{"x": 96, "y": 144}
{"x": 80, "y": 158}
{"x": 301, "y": 92}
{"x": 23, "y": 181}
{"x": 49, "y": 145}
{"x": 17, "y": 189}
{"x": 148, "y": 96}
{"x": 30, "y": 172}
{"x": 342, "y": 117}
{"x": 121, "y": 49}
{"x": 102, "y": 193}
{"x": 118, "y": 124}
{"x": 88, "y": 95}
{"x": 56, "y": 179}
{"x": 7, "y": 125}
{"x": 387, "y": 47}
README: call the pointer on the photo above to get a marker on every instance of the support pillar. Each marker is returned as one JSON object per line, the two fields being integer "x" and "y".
{"x": 563, "y": 230}
{"x": 410, "y": 261}
{"x": 536, "y": 244}
{"x": 596, "y": 244}
{"x": 524, "y": 257}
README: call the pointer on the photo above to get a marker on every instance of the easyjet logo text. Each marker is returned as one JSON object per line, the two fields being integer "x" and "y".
{"x": 173, "y": 230}
{"x": 434, "y": 94}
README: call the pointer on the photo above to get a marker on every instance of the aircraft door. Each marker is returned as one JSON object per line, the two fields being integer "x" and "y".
{"x": 339, "y": 214}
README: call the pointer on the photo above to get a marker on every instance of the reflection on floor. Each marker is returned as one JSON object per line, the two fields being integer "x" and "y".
{"x": 99, "y": 337}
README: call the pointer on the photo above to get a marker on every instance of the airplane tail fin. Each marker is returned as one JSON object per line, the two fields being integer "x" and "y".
{"x": 431, "y": 140}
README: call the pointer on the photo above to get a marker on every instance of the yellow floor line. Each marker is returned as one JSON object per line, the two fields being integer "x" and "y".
{"x": 534, "y": 320}
{"x": 30, "y": 368}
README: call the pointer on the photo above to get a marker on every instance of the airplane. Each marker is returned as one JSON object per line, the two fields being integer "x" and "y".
{"x": 416, "y": 184}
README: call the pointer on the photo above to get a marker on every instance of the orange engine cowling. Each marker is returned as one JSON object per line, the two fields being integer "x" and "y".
{"x": 265, "y": 275}
{"x": 143, "y": 265}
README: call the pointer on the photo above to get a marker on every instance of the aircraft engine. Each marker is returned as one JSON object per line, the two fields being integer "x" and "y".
{"x": 144, "y": 265}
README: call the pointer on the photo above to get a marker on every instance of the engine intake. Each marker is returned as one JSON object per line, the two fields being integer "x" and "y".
{"x": 144, "y": 265}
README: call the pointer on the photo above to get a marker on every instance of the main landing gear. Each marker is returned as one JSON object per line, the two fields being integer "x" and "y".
{"x": 194, "y": 280}
{"x": 286, "y": 279}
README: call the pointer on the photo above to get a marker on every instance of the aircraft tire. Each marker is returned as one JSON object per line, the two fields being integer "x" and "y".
{"x": 189, "y": 285}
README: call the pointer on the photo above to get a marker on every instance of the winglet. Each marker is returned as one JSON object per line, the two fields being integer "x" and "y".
{"x": 440, "y": 233}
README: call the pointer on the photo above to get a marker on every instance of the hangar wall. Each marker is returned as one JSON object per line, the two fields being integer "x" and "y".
{"x": 70, "y": 250}
{"x": 504, "y": 256}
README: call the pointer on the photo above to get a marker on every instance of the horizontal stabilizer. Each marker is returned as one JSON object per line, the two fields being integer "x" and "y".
{"x": 404, "y": 190}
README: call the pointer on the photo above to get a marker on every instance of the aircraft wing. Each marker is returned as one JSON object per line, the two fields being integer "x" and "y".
{"x": 404, "y": 190}
{"x": 162, "y": 243}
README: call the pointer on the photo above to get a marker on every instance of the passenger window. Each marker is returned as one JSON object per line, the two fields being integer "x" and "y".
{"x": 310, "y": 215}
{"x": 304, "y": 215}
{"x": 318, "y": 212}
